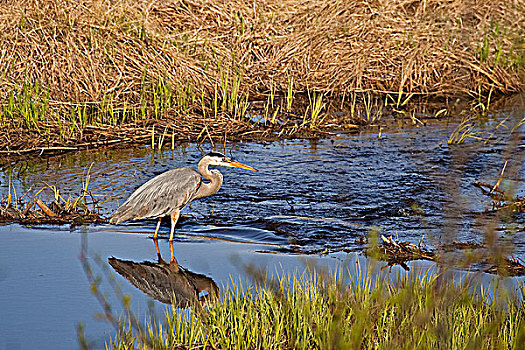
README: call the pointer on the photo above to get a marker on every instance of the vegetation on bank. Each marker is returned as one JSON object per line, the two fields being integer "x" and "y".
{"x": 82, "y": 74}
{"x": 341, "y": 311}
{"x": 73, "y": 210}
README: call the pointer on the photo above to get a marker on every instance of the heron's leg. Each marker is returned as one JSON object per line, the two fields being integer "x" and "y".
{"x": 157, "y": 231}
{"x": 173, "y": 261}
{"x": 155, "y": 240}
{"x": 174, "y": 217}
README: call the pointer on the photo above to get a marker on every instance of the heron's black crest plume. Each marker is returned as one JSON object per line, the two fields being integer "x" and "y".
{"x": 216, "y": 154}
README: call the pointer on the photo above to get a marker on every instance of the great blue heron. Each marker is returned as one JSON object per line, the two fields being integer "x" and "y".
{"x": 169, "y": 192}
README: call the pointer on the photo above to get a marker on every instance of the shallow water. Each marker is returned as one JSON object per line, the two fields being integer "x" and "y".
{"x": 309, "y": 196}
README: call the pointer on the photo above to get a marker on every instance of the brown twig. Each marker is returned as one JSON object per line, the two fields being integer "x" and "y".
{"x": 44, "y": 208}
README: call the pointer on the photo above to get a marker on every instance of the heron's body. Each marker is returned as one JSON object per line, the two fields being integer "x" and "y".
{"x": 169, "y": 192}
{"x": 161, "y": 196}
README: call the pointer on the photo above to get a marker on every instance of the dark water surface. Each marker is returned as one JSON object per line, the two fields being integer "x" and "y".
{"x": 308, "y": 197}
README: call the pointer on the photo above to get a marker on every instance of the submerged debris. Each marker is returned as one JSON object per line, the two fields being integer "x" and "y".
{"x": 500, "y": 199}
{"x": 396, "y": 252}
{"x": 33, "y": 212}
{"x": 509, "y": 267}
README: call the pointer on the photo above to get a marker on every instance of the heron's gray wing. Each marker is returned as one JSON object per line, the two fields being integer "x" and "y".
{"x": 160, "y": 196}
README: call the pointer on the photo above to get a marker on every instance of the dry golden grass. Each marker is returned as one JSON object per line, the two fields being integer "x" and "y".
{"x": 83, "y": 49}
{"x": 95, "y": 51}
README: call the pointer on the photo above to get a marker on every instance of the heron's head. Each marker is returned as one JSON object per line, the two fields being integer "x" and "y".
{"x": 216, "y": 158}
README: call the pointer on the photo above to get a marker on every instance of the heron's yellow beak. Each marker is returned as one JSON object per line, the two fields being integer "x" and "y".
{"x": 236, "y": 164}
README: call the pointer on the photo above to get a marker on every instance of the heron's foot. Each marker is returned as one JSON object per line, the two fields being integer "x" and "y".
{"x": 159, "y": 257}
{"x": 174, "y": 263}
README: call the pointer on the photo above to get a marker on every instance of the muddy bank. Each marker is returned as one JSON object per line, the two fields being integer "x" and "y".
{"x": 103, "y": 73}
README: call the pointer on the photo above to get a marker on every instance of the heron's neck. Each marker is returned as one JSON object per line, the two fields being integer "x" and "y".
{"x": 215, "y": 177}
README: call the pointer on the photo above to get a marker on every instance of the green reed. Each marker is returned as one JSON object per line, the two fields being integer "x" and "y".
{"x": 27, "y": 105}
{"x": 313, "y": 116}
{"x": 342, "y": 310}
{"x": 466, "y": 130}
{"x": 231, "y": 97}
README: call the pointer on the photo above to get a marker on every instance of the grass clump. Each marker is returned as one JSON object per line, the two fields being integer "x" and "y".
{"x": 83, "y": 208}
{"x": 343, "y": 311}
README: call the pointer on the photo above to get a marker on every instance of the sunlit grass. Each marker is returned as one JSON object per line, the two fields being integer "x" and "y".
{"x": 465, "y": 130}
{"x": 342, "y": 310}
{"x": 313, "y": 116}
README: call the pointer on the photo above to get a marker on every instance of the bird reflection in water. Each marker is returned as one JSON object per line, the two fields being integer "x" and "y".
{"x": 166, "y": 282}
